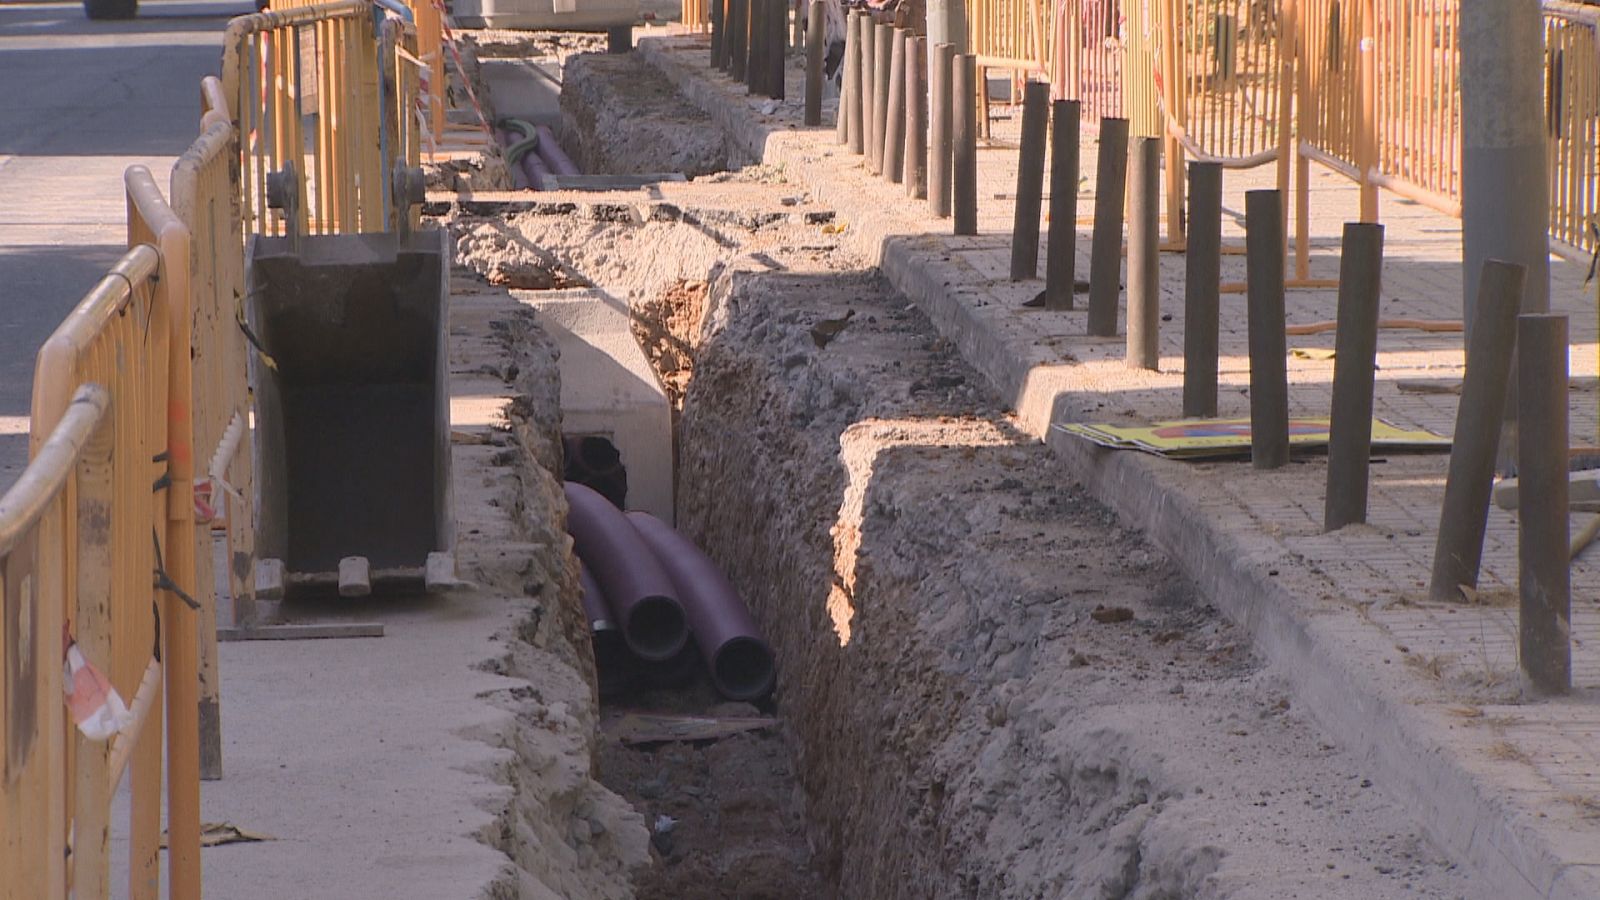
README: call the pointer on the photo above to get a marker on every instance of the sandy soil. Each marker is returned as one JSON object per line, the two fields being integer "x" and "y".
{"x": 995, "y": 690}
{"x": 987, "y": 686}
{"x": 619, "y": 116}
{"x": 735, "y": 819}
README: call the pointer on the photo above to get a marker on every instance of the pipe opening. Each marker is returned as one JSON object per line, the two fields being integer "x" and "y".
{"x": 596, "y": 463}
{"x": 744, "y": 669}
{"x": 655, "y": 629}
{"x": 599, "y": 455}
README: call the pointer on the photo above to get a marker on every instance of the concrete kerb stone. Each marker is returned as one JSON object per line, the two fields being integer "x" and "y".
{"x": 1326, "y": 653}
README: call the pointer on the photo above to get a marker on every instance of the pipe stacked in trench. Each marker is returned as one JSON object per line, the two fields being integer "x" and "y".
{"x": 637, "y": 590}
{"x": 532, "y": 153}
{"x": 612, "y": 661}
{"x": 594, "y": 462}
{"x": 739, "y": 661}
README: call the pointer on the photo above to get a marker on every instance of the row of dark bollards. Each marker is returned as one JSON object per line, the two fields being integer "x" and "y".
{"x": 1541, "y": 376}
{"x": 911, "y": 111}
{"x": 912, "y": 129}
{"x": 1541, "y": 430}
{"x": 749, "y": 39}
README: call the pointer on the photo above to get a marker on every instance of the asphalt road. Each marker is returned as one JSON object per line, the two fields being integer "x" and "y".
{"x": 80, "y": 101}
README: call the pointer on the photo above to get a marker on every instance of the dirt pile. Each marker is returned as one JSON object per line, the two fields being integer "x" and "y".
{"x": 620, "y": 117}
{"x": 563, "y": 832}
{"x": 666, "y": 327}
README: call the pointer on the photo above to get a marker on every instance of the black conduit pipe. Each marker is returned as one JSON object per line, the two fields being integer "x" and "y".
{"x": 741, "y": 663}
{"x": 638, "y": 590}
{"x": 595, "y": 463}
{"x": 613, "y": 663}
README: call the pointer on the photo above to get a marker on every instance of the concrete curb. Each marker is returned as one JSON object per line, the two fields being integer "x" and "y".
{"x": 1332, "y": 661}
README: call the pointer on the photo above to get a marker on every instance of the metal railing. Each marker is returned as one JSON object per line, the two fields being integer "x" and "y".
{"x": 695, "y": 15}
{"x": 1369, "y": 89}
{"x": 1572, "y": 115}
{"x": 1087, "y": 58}
{"x": 1225, "y": 79}
{"x": 206, "y": 199}
{"x": 139, "y": 420}
{"x": 97, "y": 542}
{"x": 1010, "y": 34}
{"x": 1417, "y": 120}
{"x": 321, "y": 91}
{"x": 38, "y": 532}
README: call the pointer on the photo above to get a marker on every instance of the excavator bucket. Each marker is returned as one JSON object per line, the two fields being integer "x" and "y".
{"x": 353, "y": 418}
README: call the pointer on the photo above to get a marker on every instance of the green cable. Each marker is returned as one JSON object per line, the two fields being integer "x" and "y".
{"x": 529, "y": 142}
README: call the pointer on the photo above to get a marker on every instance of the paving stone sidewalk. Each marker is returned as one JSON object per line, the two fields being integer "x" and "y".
{"x": 1430, "y": 693}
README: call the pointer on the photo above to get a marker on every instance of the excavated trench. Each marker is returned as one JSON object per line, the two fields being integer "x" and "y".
{"x": 987, "y": 687}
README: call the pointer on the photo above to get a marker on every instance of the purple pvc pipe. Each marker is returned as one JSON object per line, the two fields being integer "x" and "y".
{"x": 525, "y": 175}
{"x": 535, "y": 169}
{"x": 612, "y": 663}
{"x": 637, "y": 589}
{"x": 741, "y": 663}
{"x": 519, "y": 181}
{"x": 550, "y": 151}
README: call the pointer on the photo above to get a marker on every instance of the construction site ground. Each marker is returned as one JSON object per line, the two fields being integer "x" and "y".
{"x": 1010, "y": 664}
{"x": 1426, "y": 694}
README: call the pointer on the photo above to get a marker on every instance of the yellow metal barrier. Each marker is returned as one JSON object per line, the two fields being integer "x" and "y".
{"x": 205, "y": 197}
{"x": 1572, "y": 106}
{"x": 1224, "y": 99}
{"x": 1010, "y": 34}
{"x": 1225, "y": 86}
{"x": 1336, "y": 91}
{"x": 695, "y": 15}
{"x": 83, "y": 533}
{"x": 1368, "y": 88}
{"x": 1086, "y": 59}
{"x": 430, "y": 52}
{"x": 1417, "y": 121}
{"x": 38, "y": 532}
{"x": 303, "y": 86}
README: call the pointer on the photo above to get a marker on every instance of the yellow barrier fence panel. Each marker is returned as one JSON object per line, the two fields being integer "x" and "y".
{"x": 151, "y": 222}
{"x": 1141, "y": 39}
{"x": 1572, "y": 115}
{"x": 1417, "y": 119}
{"x": 1227, "y": 79}
{"x": 205, "y": 197}
{"x": 303, "y": 84}
{"x": 1087, "y": 57}
{"x": 114, "y": 337}
{"x": 118, "y": 337}
{"x": 35, "y": 529}
{"x": 1010, "y": 34}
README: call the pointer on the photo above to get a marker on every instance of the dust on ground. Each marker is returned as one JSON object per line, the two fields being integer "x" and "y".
{"x": 987, "y": 686}
{"x": 734, "y": 821}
